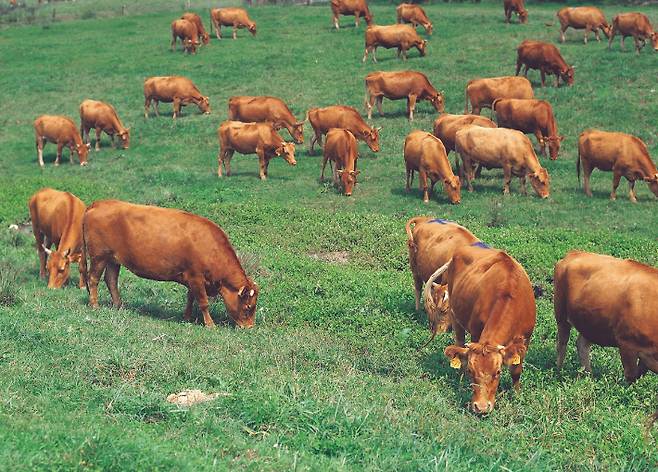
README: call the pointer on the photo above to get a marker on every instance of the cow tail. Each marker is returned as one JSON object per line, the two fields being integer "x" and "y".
{"x": 407, "y": 227}
{"x": 493, "y": 109}
{"x": 466, "y": 100}
{"x": 83, "y": 259}
{"x": 578, "y": 165}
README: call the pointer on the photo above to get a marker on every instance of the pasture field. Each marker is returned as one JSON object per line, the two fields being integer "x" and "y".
{"x": 330, "y": 378}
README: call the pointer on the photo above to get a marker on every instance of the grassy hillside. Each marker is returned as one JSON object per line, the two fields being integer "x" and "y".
{"x": 330, "y": 379}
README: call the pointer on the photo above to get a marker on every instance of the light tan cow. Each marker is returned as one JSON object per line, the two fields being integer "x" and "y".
{"x": 587, "y": 18}
{"x": 236, "y": 17}
{"x": 62, "y": 131}
{"x": 102, "y": 117}
{"x": 481, "y": 93}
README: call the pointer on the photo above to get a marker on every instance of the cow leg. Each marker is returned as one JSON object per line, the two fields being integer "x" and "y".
{"x": 587, "y": 31}
{"x": 262, "y": 163}
{"x": 71, "y": 151}
{"x": 411, "y": 104}
{"x": 418, "y": 288}
{"x": 562, "y": 36}
{"x": 622, "y": 42}
{"x": 176, "y": 107}
{"x": 629, "y": 359}
{"x": 563, "y": 331}
{"x": 631, "y": 191}
{"x": 97, "y": 266}
{"x": 467, "y": 168}
{"x": 365, "y": 55}
{"x": 228, "y": 155}
{"x": 583, "y": 347}
{"x": 43, "y": 257}
{"x": 82, "y": 269}
{"x": 543, "y": 77}
{"x": 458, "y": 330}
{"x": 112, "y": 141}
{"x": 187, "y": 315}
{"x": 524, "y": 191}
{"x": 370, "y": 100}
{"x": 379, "y": 101}
{"x": 410, "y": 178}
{"x": 112, "y": 281}
{"x": 147, "y": 106}
{"x": 173, "y": 42}
{"x": 98, "y": 139}
{"x": 516, "y": 371}
{"x": 597, "y": 35}
{"x": 637, "y": 45}
{"x": 374, "y": 54}
{"x": 218, "y": 30}
{"x": 156, "y": 107}
{"x": 198, "y": 288}
{"x": 336, "y": 24}
{"x": 324, "y": 165}
{"x": 542, "y": 143}
{"x": 518, "y": 66}
{"x": 507, "y": 178}
{"x": 422, "y": 179}
{"x": 60, "y": 147}
{"x": 587, "y": 171}
{"x": 525, "y": 70}
{"x": 39, "y": 144}
{"x": 356, "y": 19}
{"x": 611, "y": 37}
{"x": 616, "y": 178}
{"x": 235, "y": 31}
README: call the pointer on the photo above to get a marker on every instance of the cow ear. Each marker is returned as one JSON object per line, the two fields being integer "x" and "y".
{"x": 561, "y": 138}
{"x": 67, "y": 252}
{"x": 340, "y": 171}
{"x": 75, "y": 258}
{"x": 514, "y": 352}
{"x": 456, "y": 354}
{"x": 243, "y": 292}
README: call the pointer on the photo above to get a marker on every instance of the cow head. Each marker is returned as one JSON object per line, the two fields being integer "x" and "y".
{"x": 607, "y": 30}
{"x": 371, "y": 137}
{"x": 82, "y": 150}
{"x": 484, "y": 363}
{"x": 523, "y": 16}
{"x": 287, "y": 151}
{"x": 554, "y": 145}
{"x": 348, "y": 179}
{"x": 422, "y": 46}
{"x": 428, "y": 27}
{"x": 241, "y": 303}
{"x": 252, "y": 28}
{"x": 452, "y": 186}
{"x": 125, "y": 138}
{"x": 205, "y": 37}
{"x": 653, "y": 183}
{"x": 438, "y": 101}
{"x": 204, "y": 105}
{"x": 59, "y": 266}
{"x": 190, "y": 45}
{"x": 298, "y": 132}
{"x": 368, "y": 17}
{"x": 567, "y": 75}
{"x": 654, "y": 40}
{"x": 540, "y": 181}
{"x": 437, "y": 307}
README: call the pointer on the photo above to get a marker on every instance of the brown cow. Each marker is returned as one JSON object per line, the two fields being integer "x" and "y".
{"x": 503, "y": 148}
{"x": 515, "y": 6}
{"x": 447, "y": 125}
{"x": 636, "y": 25}
{"x": 103, "y": 118}
{"x": 355, "y": 8}
{"x": 179, "y": 90}
{"x": 587, "y": 18}
{"x": 611, "y": 302}
{"x": 201, "y": 30}
{"x": 236, "y": 17}
{"x": 530, "y": 116}
{"x": 188, "y": 34}
{"x": 432, "y": 243}
{"x": 57, "y": 219}
{"x": 167, "y": 245}
{"x": 402, "y": 37}
{"x": 414, "y": 86}
{"x": 414, "y": 14}
{"x": 545, "y": 57}
{"x": 623, "y": 154}
{"x": 259, "y": 109}
{"x": 424, "y": 152}
{"x": 481, "y": 93}
{"x": 251, "y": 138}
{"x": 491, "y": 298}
{"x": 341, "y": 116}
{"x": 62, "y": 131}
{"x": 341, "y": 148}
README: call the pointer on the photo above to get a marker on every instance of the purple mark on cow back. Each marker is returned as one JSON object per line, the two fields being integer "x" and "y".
{"x": 441, "y": 221}
{"x": 481, "y": 244}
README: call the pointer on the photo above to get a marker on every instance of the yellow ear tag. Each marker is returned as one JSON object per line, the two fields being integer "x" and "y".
{"x": 516, "y": 359}
{"x": 455, "y": 363}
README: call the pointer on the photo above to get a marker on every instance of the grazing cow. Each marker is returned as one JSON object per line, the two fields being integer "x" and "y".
{"x": 57, "y": 219}
{"x": 235, "y": 17}
{"x": 62, "y": 131}
{"x": 201, "y": 30}
{"x": 611, "y": 302}
{"x": 481, "y": 93}
{"x": 431, "y": 244}
{"x": 340, "y": 116}
{"x": 188, "y": 34}
{"x": 636, "y": 25}
{"x": 530, "y": 116}
{"x": 103, "y": 118}
{"x": 500, "y": 147}
{"x": 167, "y": 245}
{"x": 174, "y": 89}
{"x": 251, "y": 138}
{"x": 414, "y": 14}
{"x": 341, "y": 148}
{"x": 402, "y": 37}
{"x": 491, "y": 298}
{"x": 587, "y": 18}
{"x": 623, "y": 154}
{"x": 355, "y": 8}
{"x": 425, "y": 153}
{"x": 272, "y": 109}
{"x": 545, "y": 57}
{"x": 414, "y": 86}
{"x": 447, "y": 125}
{"x": 515, "y": 6}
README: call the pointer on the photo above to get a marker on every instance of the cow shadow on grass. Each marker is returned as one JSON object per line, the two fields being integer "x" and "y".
{"x": 175, "y": 315}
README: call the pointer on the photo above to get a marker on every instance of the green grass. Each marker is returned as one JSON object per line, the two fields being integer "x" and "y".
{"x": 330, "y": 378}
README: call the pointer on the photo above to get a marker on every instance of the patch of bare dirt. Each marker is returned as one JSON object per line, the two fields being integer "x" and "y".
{"x": 334, "y": 257}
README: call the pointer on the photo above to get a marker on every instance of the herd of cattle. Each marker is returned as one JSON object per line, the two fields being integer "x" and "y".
{"x": 468, "y": 286}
